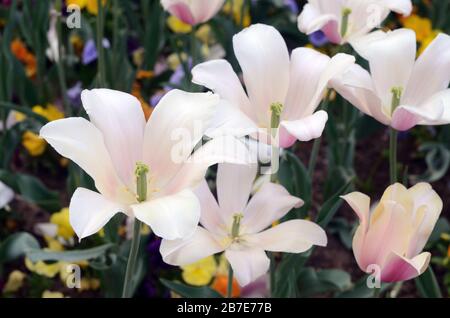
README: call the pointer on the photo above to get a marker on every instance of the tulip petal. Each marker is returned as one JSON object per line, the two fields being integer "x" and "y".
{"x": 310, "y": 73}
{"x": 170, "y": 217}
{"x": 295, "y": 236}
{"x": 305, "y": 129}
{"x": 261, "y": 212}
{"x": 120, "y": 118}
{"x": 80, "y": 141}
{"x": 391, "y": 62}
{"x": 311, "y": 20}
{"x": 403, "y": 7}
{"x": 234, "y": 184}
{"x": 90, "y": 211}
{"x": 398, "y": 268}
{"x": 248, "y": 264}
{"x": 6, "y": 195}
{"x": 180, "y": 10}
{"x": 218, "y": 76}
{"x": 176, "y": 125}
{"x": 191, "y": 249}
{"x": 211, "y": 215}
{"x": 360, "y": 203}
{"x": 264, "y": 59}
{"x": 431, "y": 73}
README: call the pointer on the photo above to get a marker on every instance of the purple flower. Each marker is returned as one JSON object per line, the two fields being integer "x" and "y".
{"x": 318, "y": 38}
{"x": 74, "y": 93}
{"x": 292, "y": 6}
{"x": 154, "y": 100}
{"x": 90, "y": 51}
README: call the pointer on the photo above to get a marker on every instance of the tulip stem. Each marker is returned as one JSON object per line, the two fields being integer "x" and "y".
{"x": 230, "y": 282}
{"x": 100, "y": 50}
{"x": 128, "y": 283}
{"x": 393, "y": 154}
{"x": 60, "y": 60}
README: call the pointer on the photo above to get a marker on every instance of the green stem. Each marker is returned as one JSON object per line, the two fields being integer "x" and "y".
{"x": 100, "y": 50}
{"x": 393, "y": 155}
{"x": 230, "y": 282}
{"x": 60, "y": 63}
{"x": 131, "y": 265}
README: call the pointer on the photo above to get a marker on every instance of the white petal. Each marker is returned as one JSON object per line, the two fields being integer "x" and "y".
{"x": 80, "y": 141}
{"x": 307, "y": 128}
{"x": 189, "y": 250}
{"x": 295, "y": 236}
{"x": 403, "y": 7}
{"x": 6, "y": 194}
{"x": 264, "y": 59}
{"x": 360, "y": 203}
{"x": 89, "y": 211}
{"x": 120, "y": 118}
{"x": 311, "y": 19}
{"x": 268, "y": 205}
{"x": 176, "y": 125}
{"x": 211, "y": 216}
{"x": 431, "y": 72}
{"x": 310, "y": 73}
{"x": 248, "y": 264}
{"x": 234, "y": 184}
{"x": 218, "y": 150}
{"x": 391, "y": 62}
{"x": 218, "y": 76}
{"x": 170, "y": 217}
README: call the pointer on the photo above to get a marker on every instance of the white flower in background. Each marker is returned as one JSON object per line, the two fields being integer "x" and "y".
{"x": 241, "y": 227}
{"x": 276, "y": 84}
{"x": 343, "y": 21}
{"x": 6, "y": 195}
{"x": 117, "y": 141}
{"x": 193, "y": 11}
{"x": 52, "y": 51}
{"x": 400, "y": 91}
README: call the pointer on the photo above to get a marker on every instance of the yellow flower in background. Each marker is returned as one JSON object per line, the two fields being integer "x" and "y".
{"x": 34, "y": 144}
{"x": 201, "y": 272}
{"x": 422, "y": 26}
{"x": 90, "y": 5}
{"x": 50, "y": 112}
{"x": 42, "y": 268}
{"x": 178, "y": 26}
{"x": 173, "y": 60}
{"x": 53, "y": 244}
{"x": 204, "y": 33}
{"x": 234, "y": 8}
{"x": 14, "y": 282}
{"x": 50, "y": 294}
{"x": 61, "y": 219}
{"x": 427, "y": 41}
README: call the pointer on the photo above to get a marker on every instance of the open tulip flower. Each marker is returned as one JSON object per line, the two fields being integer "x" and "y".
{"x": 395, "y": 232}
{"x": 239, "y": 226}
{"x": 400, "y": 91}
{"x": 117, "y": 147}
{"x": 283, "y": 93}
{"x": 193, "y": 11}
{"x": 343, "y": 21}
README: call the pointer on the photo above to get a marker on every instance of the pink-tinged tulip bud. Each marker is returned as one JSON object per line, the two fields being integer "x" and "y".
{"x": 193, "y": 11}
{"x": 390, "y": 237}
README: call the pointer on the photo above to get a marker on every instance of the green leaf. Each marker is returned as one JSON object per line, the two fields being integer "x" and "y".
{"x": 190, "y": 291}
{"x": 358, "y": 290}
{"x": 69, "y": 256}
{"x": 331, "y": 206}
{"x": 16, "y": 246}
{"x": 427, "y": 284}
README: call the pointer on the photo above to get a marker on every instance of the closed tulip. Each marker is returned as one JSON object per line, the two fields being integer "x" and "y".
{"x": 193, "y": 11}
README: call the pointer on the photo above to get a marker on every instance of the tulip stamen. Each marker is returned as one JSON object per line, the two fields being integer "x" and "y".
{"x": 396, "y": 97}
{"x": 275, "y": 109}
{"x": 345, "y": 18}
{"x": 141, "y": 181}
{"x": 236, "y": 226}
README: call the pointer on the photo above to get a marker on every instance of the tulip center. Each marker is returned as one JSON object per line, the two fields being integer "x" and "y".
{"x": 141, "y": 181}
{"x": 275, "y": 110}
{"x": 344, "y": 24}
{"x": 236, "y": 226}
{"x": 396, "y": 97}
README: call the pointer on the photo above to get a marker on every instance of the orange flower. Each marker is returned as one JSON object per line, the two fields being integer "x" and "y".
{"x": 20, "y": 51}
{"x": 143, "y": 74}
{"x": 220, "y": 285}
{"x": 146, "y": 108}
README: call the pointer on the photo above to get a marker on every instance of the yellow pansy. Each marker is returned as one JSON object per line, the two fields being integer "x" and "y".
{"x": 178, "y": 26}
{"x": 53, "y": 244}
{"x": 90, "y": 5}
{"x": 80, "y": 3}
{"x": 201, "y": 272}
{"x": 61, "y": 219}
{"x": 234, "y": 8}
{"x": 34, "y": 144}
{"x": 50, "y": 294}
{"x": 427, "y": 41}
{"x": 204, "y": 33}
{"x": 173, "y": 60}
{"x": 14, "y": 282}
{"x": 50, "y": 112}
{"x": 422, "y": 26}
{"x": 42, "y": 268}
